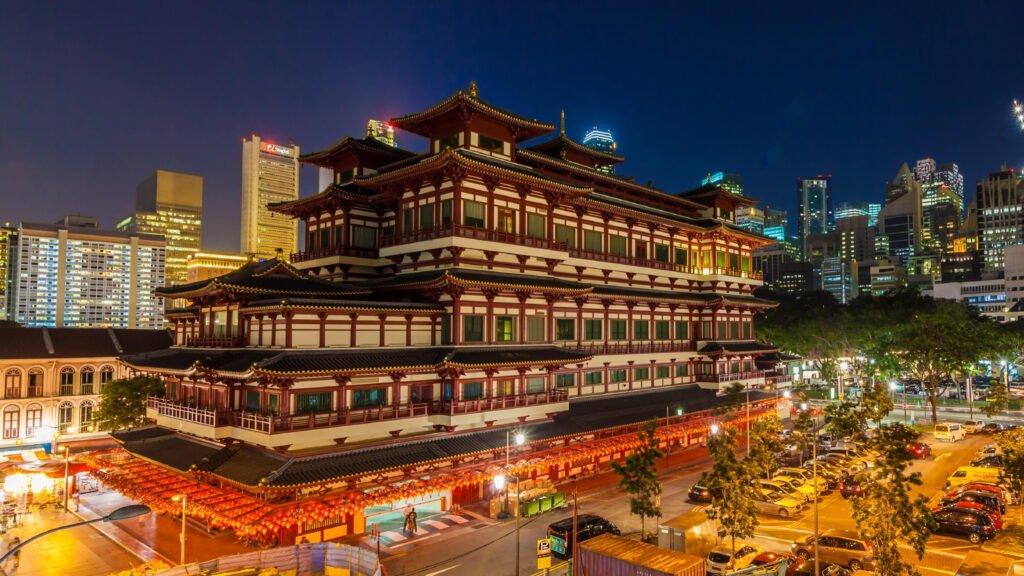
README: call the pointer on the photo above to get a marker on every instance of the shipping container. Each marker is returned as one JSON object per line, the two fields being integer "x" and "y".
{"x": 978, "y": 563}
{"x": 610, "y": 555}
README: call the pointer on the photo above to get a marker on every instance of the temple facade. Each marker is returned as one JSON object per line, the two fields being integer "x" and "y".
{"x": 485, "y": 282}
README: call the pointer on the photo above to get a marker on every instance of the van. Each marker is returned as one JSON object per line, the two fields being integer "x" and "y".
{"x": 966, "y": 474}
{"x": 949, "y": 431}
{"x": 589, "y": 526}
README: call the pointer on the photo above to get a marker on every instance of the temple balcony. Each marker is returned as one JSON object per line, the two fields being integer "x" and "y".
{"x": 333, "y": 252}
{"x": 601, "y": 348}
{"x": 474, "y": 233}
{"x": 214, "y": 342}
{"x": 757, "y": 376}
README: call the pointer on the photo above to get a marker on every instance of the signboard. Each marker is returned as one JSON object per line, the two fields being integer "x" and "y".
{"x": 543, "y": 553}
{"x": 276, "y": 149}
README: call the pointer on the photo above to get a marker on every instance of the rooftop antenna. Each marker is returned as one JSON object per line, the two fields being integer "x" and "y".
{"x": 563, "y": 122}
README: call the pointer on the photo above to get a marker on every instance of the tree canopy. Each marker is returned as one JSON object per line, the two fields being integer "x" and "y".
{"x": 123, "y": 401}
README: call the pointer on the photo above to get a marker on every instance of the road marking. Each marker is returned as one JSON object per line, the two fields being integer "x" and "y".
{"x": 451, "y": 568}
{"x": 939, "y": 570}
{"x": 436, "y": 524}
{"x": 415, "y": 541}
{"x": 454, "y": 518}
{"x": 941, "y": 456}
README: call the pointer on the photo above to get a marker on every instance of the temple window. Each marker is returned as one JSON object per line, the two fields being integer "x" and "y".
{"x": 505, "y": 327}
{"x": 661, "y": 372}
{"x": 618, "y": 329}
{"x": 661, "y": 252}
{"x": 369, "y": 398}
{"x": 617, "y": 245}
{"x": 616, "y": 376}
{"x": 592, "y": 329}
{"x": 535, "y": 327}
{"x": 535, "y": 385}
{"x": 594, "y": 378}
{"x": 426, "y": 216}
{"x": 734, "y": 330}
{"x": 734, "y": 261}
{"x": 641, "y": 330}
{"x": 593, "y": 241}
{"x": 722, "y": 329}
{"x": 640, "y": 249}
{"x": 446, "y": 329}
{"x": 681, "y": 256}
{"x": 325, "y": 238}
{"x": 566, "y": 234}
{"x": 364, "y": 237}
{"x": 683, "y": 370}
{"x": 472, "y": 390}
{"x": 446, "y": 212}
{"x": 473, "y": 328}
{"x": 565, "y": 329}
{"x": 661, "y": 329}
{"x": 565, "y": 380}
{"x": 682, "y": 330}
{"x": 451, "y": 141}
{"x": 473, "y": 213}
{"x": 492, "y": 145}
{"x": 343, "y": 176}
{"x": 719, "y": 259}
{"x": 505, "y": 387}
{"x": 705, "y": 330}
{"x": 407, "y": 220}
{"x": 641, "y": 373}
{"x": 536, "y": 225}
{"x": 746, "y": 330}
{"x": 309, "y": 402}
{"x": 506, "y": 220}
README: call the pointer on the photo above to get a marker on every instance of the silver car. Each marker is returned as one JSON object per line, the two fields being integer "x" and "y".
{"x": 843, "y": 547}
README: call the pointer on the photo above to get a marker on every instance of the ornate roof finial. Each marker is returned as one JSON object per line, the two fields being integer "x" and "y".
{"x": 563, "y": 122}
{"x": 279, "y": 254}
{"x": 473, "y": 90}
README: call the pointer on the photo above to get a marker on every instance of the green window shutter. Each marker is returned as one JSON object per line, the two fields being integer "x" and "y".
{"x": 473, "y": 214}
{"x": 536, "y": 225}
{"x": 618, "y": 329}
{"x": 617, "y": 245}
{"x": 592, "y": 241}
{"x": 641, "y": 330}
{"x": 682, "y": 330}
{"x": 473, "y": 328}
{"x": 661, "y": 328}
{"x": 565, "y": 329}
{"x": 593, "y": 329}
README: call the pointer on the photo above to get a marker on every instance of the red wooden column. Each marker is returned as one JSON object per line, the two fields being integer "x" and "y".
{"x": 652, "y": 306}
{"x": 579, "y": 321}
{"x": 228, "y": 326}
{"x": 408, "y": 329}
{"x": 433, "y": 330}
{"x": 606, "y": 327}
{"x": 551, "y": 317}
{"x": 259, "y": 330}
{"x": 346, "y": 232}
{"x": 489, "y": 318}
{"x": 273, "y": 329}
{"x": 353, "y": 320}
{"x": 630, "y": 331}
{"x": 342, "y": 382}
{"x": 383, "y": 321}
{"x": 323, "y": 329}
{"x": 524, "y": 193}
{"x": 288, "y": 329}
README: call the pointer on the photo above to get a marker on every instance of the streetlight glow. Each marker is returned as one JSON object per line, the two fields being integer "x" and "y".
{"x": 786, "y": 394}
{"x": 844, "y": 365}
{"x": 714, "y": 429}
{"x": 499, "y": 482}
{"x": 803, "y": 406}
{"x": 893, "y": 386}
{"x": 520, "y": 439}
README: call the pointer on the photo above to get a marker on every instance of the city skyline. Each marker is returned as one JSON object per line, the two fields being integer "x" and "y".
{"x": 789, "y": 131}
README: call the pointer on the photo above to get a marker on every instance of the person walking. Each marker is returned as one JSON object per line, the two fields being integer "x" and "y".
{"x": 15, "y": 542}
{"x": 412, "y": 521}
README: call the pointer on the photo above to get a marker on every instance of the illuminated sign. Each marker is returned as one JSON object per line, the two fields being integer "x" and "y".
{"x": 716, "y": 177}
{"x": 275, "y": 149}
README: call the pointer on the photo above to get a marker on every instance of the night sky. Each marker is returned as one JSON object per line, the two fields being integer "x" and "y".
{"x": 94, "y": 96}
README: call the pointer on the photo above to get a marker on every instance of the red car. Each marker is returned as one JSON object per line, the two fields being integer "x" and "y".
{"x": 771, "y": 558}
{"x": 995, "y": 490}
{"x": 997, "y": 518}
{"x": 919, "y": 449}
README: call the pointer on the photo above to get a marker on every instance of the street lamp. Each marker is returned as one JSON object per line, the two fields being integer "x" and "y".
{"x": 814, "y": 476}
{"x": 122, "y": 513}
{"x": 519, "y": 440}
{"x": 714, "y": 429}
{"x": 67, "y": 466}
{"x": 843, "y": 367}
{"x": 501, "y": 482}
{"x": 183, "y": 498}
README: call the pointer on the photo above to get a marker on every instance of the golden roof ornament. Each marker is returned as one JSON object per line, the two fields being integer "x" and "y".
{"x": 473, "y": 90}
{"x": 563, "y": 122}
{"x": 279, "y": 254}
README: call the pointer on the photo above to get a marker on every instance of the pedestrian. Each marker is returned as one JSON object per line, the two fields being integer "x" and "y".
{"x": 17, "y": 555}
{"x": 405, "y": 522}
{"x": 412, "y": 521}
{"x": 304, "y": 540}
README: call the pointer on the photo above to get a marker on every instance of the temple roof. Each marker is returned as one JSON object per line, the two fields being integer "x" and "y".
{"x": 46, "y": 343}
{"x": 272, "y": 277}
{"x": 367, "y": 145}
{"x": 562, "y": 146}
{"x": 325, "y": 304}
{"x": 463, "y": 104}
{"x": 333, "y": 193}
{"x": 245, "y": 363}
{"x": 704, "y": 298}
{"x": 735, "y": 347}
{"x": 710, "y": 191}
{"x": 481, "y": 279}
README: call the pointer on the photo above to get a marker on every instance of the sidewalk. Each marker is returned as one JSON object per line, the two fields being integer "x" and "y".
{"x": 80, "y": 551}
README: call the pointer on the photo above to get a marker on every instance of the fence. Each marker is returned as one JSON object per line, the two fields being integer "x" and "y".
{"x": 322, "y": 558}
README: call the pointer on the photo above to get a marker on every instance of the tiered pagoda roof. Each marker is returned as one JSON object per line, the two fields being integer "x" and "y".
{"x": 377, "y": 152}
{"x": 566, "y": 148}
{"x": 269, "y": 277}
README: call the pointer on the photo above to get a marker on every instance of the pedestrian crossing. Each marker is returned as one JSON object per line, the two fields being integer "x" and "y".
{"x": 430, "y": 525}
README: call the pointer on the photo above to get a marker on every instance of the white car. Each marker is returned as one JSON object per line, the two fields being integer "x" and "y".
{"x": 805, "y": 475}
{"x": 798, "y": 484}
{"x": 974, "y": 426}
{"x": 950, "y": 431}
{"x": 785, "y": 488}
{"x": 720, "y": 560}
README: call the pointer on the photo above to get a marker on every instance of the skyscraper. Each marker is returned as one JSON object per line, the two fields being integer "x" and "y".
{"x": 949, "y": 174}
{"x": 270, "y": 173}
{"x": 1000, "y": 215}
{"x": 750, "y": 218}
{"x": 814, "y": 206}
{"x": 873, "y": 210}
{"x": 5, "y": 233}
{"x": 851, "y": 209}
{"x": 382, "y": 132}
{"x": 775, "y": 217}
{"x": 169, "y": 204}
{"x": 601, "y": 140}
{"x": 74, "y": 274}
{"x": 728, "y": 182}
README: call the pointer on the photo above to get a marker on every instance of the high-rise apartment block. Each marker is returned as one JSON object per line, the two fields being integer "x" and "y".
{"x": 1000, "y": 199}
{"x": 750, "y": 218}
{"x": 728, "y": 182}
{"x": 814, "y": 206}
{"x": 603, "y": 141}
{"x": 5, "y": 233}
{"x": 74, "y": 274}
{"x": 381, "y": 131}
{"x": 270, "y": 174}
{"x": 169, "y": 204}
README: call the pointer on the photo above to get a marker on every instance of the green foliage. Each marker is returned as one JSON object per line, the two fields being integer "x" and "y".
{"x": 998, "y": 399}
{"x": 123, "y": 402}
{"x": 638, "y": 475}
{"x": 733, "y": 397}
{"x": 887, "y": 514}
{"x": 876, "y": 403}
{"x": 735, "y": 511}
{"x": 765, "y": 444}
{"x": 1011, "y": 443}
{"x": 803, "y": 432}
{"x": 846, "y": 419}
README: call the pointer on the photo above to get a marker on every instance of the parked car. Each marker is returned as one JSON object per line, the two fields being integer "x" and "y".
{"x": 995, "y": 515}
{"x": 699, "y": 492}
{"x": 843, "y": 547}
{"x": 966, "y": 474}
{"x": 765, "y": 558}
{"x": 992, "y": 428}
{"x": 975, "y": 526}
{"x": 851, "y": 486}
{"x": 831, "y": 474}
{"x": 721, "y": 560}
{"x": 776, "y": 503}
{"x": 806, "y": 568}
{"x": 919, "y": 450}
{"x": 983, "y": 497}
{"x": 799, "y": 484}
{"x": 949, "y": 431}
{"x": 1004, "y": 492}
{"x": 995, "y": 461}
{"x": 783, "y": 488}
{"x": 847, "y": 465}
{"x": 805, "y": 475}
{"x": 974, "y": 426}
{"x": 588, "y": 526}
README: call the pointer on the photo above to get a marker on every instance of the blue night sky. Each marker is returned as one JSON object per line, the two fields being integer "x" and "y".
{"x": 94, "y": 96}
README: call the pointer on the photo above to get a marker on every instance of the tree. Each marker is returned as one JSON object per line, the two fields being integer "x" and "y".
{"x": 998, "y": 399}
{"x": 803, "y": 432}
{"x": 886, "y": 513}
{"x": 845, "y": 419}
{"x": 1011, "y": 443}
{"x": 732, "y": 482}
{"x": 732, "y": 398}
{"x": 765, "y": 445}
{"x": 638, "y": 476}
{"x": 876, "y": 403}
{"x": 123, "y": 401}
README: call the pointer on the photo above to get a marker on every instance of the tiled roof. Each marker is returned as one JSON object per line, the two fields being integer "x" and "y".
{"x": 317, "y": 303}
{"x": 529, "y": 127}
{"x": 482, "y": 278}
{"x": 41, "y": 343}
{"x": 184, "y": 359}
{"x": 272, "y": 277}
{"x": 647, "y": 294}
{"x": 352, "y": 360}
{"x": 735, "y": 347}
{"x": 366, "y": 144}
{"x": 517, "y": 168}
{"x": 172, "y": 450}
{"x": 561, "y": 142}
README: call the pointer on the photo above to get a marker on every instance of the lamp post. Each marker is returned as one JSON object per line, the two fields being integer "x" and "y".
{"x": 122, "y": 513}
{"x": 500, "y": 481}
{"x": 181, "y": 538}
{"x": 67, "y": 468}
{"x": 843, "y": 367}
{"x": 519, "y": 439}
{"x": 747, "y": 389}
{"x": 814, "y": 475}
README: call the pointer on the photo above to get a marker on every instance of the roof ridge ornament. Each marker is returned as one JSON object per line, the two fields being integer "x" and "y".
{"x": 474, "y": 91}
{"x": 562, "y": 123}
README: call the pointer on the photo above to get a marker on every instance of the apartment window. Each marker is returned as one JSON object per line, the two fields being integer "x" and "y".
{"x": 536, "y": 385}
{"x": 33, "y": 419}
{"x": 681, "y": 256}
{"x": 12, "y": 383}
{"x": 473, "y": 328}
{"x": 705, "y": 330}
{"x": 682, "y": 330}
{"x": 616, "y": 245}
{"x": 565, "y": 380}
{"x": 592, "y": 241}
{"x": 446, "y": 212}
{"x": 505, "y": 328}
{"x": 492, "y": 145}
{"x": 311, "y": 402}
{"x": 592, "y": 329}
{"x": 364, "y": 237}
{"x": 722, "y": 329}
{"x": 535, "y": 328}
{"x": 565, "y": 329}
{"x": 565, "y": 234}
{"x": 536, "y": 226}
{"x": 641, "y": 373}
{"x": 472, "y": 390}
{"x": 641, "y": 329}
{"x": 683, "y": 370}
{"x": 426, "y": 217}
{"x": 506, "y": 220}
{"x": 616, "y": 376}
{"x": 473, "y": 213}
{"x": 734, "y": 330}
{"x": 618, "y": 330}
{"x": 370, "y": 398}
{"x": 67, "y": 381}
{"x": 407, "y": 220}
{"x": 35, "y": 383}
{"x": 65, "y": 416}
{"x": 87, "y": 380}
{"x": 661, "y": 252}
{"x": 661, "y": 328}
{"x": 593, "y": 377}
{"x": 661, "y": 372}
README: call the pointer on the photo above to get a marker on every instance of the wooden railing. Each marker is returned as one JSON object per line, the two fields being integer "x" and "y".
{"x": 499, "y": 402}
{"x": 213, "y": 341}
{"x": 630, "y": 347}
{"x": 172, "y": 409}
{"x": 332, "y": 251}
{"x": 474, "y": 232}
{"x": 731, "y": 377}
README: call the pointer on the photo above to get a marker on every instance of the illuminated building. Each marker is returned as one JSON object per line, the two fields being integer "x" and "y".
{"x": 814, "y": 206}
{"x": 169, "y": 204}
{"x": 52, "y": 378}
{"x": 900, "y": 220}
{"x": 873, "y": 211}
{"x": 886, "y": 276}
{"x": 5, "y": 233}
{"x": 729, "y": 182}
{"x": 856, "y": 238}
{"x": 777, "y": 233}
{"x": 74, "y": 274}
{"x": 205, "y": 265}
{"x": 270, "y": 174}
{"x": 382, "y": 132}
{"x": 1000, "y": 200}
{"x": 850, "y": 209}
{"x": 839, "y": 278}
{"x": 750, "y": 218}
{"x": 603, "y": 141}
{"x": 775, "y": 217}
